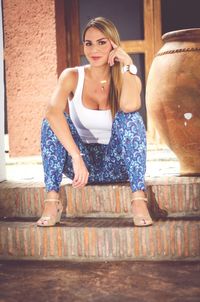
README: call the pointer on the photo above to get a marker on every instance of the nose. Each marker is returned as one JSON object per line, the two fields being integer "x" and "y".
{"x": 94, "y": 48}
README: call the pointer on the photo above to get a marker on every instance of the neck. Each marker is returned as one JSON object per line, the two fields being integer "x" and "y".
{"x": 100, "y": 73}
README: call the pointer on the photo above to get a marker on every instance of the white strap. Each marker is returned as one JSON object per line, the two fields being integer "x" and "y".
{"x": 79, "y": 88}
{"x": 51, "y": 200}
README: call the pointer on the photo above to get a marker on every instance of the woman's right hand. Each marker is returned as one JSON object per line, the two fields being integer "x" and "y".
{"x": 81, "y": 173}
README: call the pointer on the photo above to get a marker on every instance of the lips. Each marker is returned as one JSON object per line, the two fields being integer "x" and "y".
{"x": 95, "y": 58}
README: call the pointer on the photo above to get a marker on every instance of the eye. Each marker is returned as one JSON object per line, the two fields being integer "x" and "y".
{"x": 102, "y": 42}
{"x": 87, "y": 43}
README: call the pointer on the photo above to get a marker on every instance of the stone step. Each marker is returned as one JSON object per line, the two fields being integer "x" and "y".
{"x": 100, "y": 239}
{"x": 172, "y": 196}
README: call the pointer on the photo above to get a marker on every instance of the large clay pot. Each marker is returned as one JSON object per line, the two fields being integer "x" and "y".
{"x": 173, "y": 96}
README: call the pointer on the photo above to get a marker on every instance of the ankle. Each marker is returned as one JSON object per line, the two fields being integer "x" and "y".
{"x": 52, "y": 195}
{"x": 138, "y": 196}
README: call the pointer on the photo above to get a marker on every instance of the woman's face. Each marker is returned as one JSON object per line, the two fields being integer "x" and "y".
{"x": 96, "y": 47}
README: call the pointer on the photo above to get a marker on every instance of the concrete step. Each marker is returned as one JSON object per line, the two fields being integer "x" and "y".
{"x": 100, "y": 239}
{"x": 172, "y": 196}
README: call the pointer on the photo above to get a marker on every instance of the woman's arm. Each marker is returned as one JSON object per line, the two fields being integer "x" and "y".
{"x": 130, "y": 95}
{"x": 55, "y": 115}
{"x": 56, "y": 108}
{"x": 131, "y": 84}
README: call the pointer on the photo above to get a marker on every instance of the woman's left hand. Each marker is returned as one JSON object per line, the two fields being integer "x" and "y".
{"x": 119, "y": 55}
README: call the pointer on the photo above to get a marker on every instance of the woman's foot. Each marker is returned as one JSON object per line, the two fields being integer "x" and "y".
{"x": 52, "y": 210}
{"x": 141, "y": 216}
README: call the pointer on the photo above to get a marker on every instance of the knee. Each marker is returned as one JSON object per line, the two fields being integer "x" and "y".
{"x": 66, "y": 115}
{"x": 46, "y": 125}
{"x": 127, "y": 120}
{"x": 129, "y": 125}
{"x": 46, "y": 131}
{"x": 68, "y": 119}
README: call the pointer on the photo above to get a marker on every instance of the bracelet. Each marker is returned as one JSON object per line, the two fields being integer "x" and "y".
{"x": 81, "y": 154}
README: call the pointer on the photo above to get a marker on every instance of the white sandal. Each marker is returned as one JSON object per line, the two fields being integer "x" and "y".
{"x": 51, "y": 220}
{"x": 141, "y": 220}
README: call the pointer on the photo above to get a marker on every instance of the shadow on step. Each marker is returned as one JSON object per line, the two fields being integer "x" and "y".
{"x": 97, "y": 222}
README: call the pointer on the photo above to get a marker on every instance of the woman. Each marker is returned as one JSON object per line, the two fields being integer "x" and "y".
{"x": 103, "y": 138}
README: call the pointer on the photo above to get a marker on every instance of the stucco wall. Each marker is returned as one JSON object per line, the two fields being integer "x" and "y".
{"x": 2, "y": 149}
{"x": 31, "y": 69}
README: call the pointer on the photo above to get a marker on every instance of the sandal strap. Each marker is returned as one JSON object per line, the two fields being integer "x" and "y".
{"x": 139, "y": 198}
{"x": 45, "y": 218}
{"x": 51, "y": 200}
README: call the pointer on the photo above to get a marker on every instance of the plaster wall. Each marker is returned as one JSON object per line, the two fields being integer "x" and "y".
{"x": 31, "y": 70}
{"x": 2, "y": 149}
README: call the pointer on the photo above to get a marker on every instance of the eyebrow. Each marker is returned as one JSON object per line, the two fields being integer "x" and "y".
{"x": 97, "y": 40}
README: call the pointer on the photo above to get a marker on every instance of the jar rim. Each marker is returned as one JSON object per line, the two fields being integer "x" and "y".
{"x": 189, "y": 34}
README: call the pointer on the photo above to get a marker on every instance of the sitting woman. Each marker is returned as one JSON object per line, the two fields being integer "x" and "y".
{"x": 103, "y": 139}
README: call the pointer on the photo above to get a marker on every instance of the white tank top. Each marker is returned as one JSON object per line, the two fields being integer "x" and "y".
{"x": 93, "y": 126}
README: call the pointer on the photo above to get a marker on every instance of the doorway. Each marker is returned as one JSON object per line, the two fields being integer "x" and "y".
{"x": 138, "y": 22}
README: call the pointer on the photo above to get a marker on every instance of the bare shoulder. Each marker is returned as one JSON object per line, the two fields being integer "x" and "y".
{"x": 68, "y": 79}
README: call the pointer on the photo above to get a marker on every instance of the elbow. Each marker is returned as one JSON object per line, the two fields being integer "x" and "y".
{"x": 130, "y": 107}
{"x": 50, "y": 113}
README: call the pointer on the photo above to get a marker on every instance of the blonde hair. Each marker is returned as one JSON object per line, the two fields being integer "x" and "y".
{"x": 109, "y": 30}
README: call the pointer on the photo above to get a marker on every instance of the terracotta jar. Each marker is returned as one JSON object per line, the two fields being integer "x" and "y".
{"x": 173, "y": 96}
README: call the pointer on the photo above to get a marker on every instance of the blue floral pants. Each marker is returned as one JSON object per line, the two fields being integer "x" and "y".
{"x": 123, "y": 159}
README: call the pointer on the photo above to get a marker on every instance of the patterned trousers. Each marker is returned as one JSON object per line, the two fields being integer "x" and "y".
{"x": 123, "y": 159}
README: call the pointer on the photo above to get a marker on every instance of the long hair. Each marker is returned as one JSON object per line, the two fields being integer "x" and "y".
{"x": 109, "y": 30}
